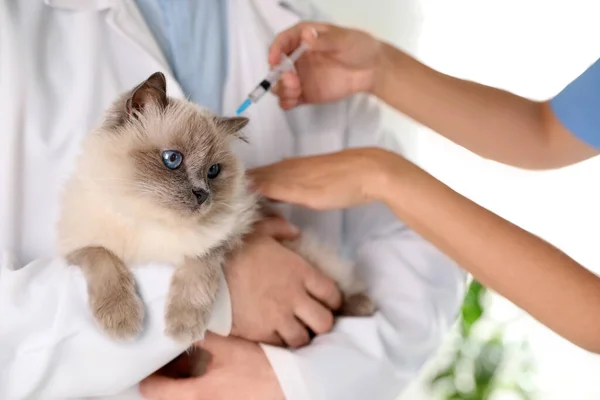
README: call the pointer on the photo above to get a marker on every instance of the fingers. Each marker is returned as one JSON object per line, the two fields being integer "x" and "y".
{"x": 315, "y": 315}
{"x": 179, "y": 367}
{"x": 276, "y": 227}
{"x": 277, "y": 189}
{"x": 289, "y": 91}
{"x": 294, "y": 333}
{"x": 323, "y": 289}
{"x": 287, "y": 41}
{"x": 318, "y": 36}
{"x": 219, "y": 347}
{"x": 267, "y": 188}
{"x": 277, "y": 182}
{"x": 159, "y": 387}
{"x": 274, "y": 339}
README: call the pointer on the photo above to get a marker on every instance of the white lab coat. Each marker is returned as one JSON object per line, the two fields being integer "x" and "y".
{"x": 61, "y": 63}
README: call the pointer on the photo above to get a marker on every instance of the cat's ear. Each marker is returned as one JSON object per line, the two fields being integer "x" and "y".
{"x": 232, "y": 126}
{"x": 152, "y": 91}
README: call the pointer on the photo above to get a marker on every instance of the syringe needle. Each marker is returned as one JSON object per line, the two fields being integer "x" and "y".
{"x": 243, "y": 107}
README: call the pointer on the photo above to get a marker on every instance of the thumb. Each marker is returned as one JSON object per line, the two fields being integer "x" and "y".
{"x": 326, "y": 38}
{"x": 288, "y": 40}
{"x": 159, "y": 387}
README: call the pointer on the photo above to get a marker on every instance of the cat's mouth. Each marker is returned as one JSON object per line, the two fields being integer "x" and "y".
{"x": 195, "y": 203}
{"x": 201, "y": 209}
{"x": 188, "y": 208}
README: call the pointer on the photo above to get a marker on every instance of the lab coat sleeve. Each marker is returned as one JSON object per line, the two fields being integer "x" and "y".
{"x": 49, "y": 340}
{"x": 418, "y": 291}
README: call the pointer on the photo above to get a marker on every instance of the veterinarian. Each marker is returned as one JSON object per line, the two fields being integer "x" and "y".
{"x": 62, "y": 62}
{"x": 493, "y": 123}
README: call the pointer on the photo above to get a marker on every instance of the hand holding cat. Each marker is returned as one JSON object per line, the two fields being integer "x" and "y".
{"x": 239, "y": 370}
{"x": 275, "y": 293}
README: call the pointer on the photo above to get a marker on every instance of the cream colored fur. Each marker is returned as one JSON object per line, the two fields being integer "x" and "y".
{"x": 132, "y": 228}
{"x": 112, "y": 220}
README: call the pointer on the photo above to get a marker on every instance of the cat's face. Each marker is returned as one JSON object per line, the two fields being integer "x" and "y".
{"x": 170, "y": 156}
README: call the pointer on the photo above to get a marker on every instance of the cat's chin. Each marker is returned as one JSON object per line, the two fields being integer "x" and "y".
{"x": 140, "y": 208}
{"x": 200, "y": 214}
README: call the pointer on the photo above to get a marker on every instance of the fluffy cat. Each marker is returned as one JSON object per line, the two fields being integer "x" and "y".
{"x": 157, "y": 181}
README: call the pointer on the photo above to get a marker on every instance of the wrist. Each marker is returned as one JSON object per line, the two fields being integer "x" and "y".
{"x": 389, "y": 60}
{"x": 393, "y": 177}
{"x": 221, "y": 320}
{"x": 382, "y": 176}
{"x": 380, "y": 71}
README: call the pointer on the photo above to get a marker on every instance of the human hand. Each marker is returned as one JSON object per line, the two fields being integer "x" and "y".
{"x": 331, "y": 181}
{"x": 239, "y": 369}
{"x": 275, "y": 293}
{"x": 339, "y": 63}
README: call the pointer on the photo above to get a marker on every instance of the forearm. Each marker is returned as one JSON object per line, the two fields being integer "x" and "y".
{"x": 490, "y": 122}
{"x": 536, "y": 276}
{"x": 45, "y": 318}
{"x": 418, "y": 292}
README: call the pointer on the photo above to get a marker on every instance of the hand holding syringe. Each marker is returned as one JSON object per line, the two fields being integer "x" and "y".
{"x": 286, "y": 64}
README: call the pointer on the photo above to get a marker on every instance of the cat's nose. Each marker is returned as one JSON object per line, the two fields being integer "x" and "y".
{"x": 201, "y": 195}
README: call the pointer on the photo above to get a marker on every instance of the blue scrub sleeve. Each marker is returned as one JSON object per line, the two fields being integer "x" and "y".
{"x": 578, "y": 106}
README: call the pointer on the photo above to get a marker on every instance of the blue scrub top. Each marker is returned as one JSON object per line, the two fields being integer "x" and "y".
{"x": 578, "y": 106}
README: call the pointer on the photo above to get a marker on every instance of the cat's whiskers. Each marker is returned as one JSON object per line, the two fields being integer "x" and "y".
{"x": 128, "y": 185}
{"x": 227, "y": 206}
{"x": 123, "y": 182}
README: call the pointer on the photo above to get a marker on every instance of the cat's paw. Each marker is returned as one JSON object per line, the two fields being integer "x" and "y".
{"x": 358, "y": 305}
{"x": 119, "y": 312}
{"x": 185, "y": 322}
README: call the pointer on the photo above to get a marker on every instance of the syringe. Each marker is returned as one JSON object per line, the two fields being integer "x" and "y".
{"x": 286, "y": 64}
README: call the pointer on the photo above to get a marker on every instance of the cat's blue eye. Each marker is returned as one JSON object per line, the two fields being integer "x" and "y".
{"x": 214, "y": 171}
{"x": 172, "y": 159}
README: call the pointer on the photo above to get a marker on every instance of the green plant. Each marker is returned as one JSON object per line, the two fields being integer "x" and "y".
{"x": 474, "y": 371}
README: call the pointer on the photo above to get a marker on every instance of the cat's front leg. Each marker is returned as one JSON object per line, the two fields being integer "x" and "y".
{"x": 112, "y": 293}
{"x": 192, "y": 294}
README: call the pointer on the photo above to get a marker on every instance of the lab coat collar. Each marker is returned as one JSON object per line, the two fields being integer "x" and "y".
{"x": 81, "y": 5}
{"x": 275, "y": 16}
{"x": 126, "y": 19}
{"x": 270, "y": 8}
{"x": 278, "y": 15}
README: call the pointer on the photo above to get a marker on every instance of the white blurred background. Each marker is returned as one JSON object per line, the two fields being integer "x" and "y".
{"x": 532, "y": 48}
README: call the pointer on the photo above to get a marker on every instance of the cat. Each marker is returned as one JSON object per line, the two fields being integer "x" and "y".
{"x": 157, "y": 181}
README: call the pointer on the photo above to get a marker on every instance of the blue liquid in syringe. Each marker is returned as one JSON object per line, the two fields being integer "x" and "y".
{"x": 243, "y": 107}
